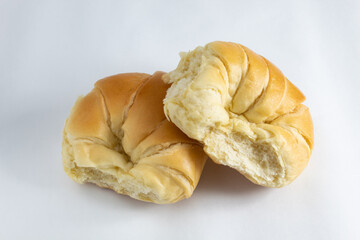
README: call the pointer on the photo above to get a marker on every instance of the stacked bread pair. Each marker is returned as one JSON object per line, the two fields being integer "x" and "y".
{"x": 149, "y": 136}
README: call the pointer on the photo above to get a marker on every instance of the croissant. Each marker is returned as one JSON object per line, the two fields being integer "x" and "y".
{"x": 247, "y": 114}
{"x": 118, "y": 137}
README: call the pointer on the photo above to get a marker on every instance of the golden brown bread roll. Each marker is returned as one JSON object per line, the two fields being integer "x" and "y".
{"x": 247, "y": 114}
{"x": 117, "y": 137}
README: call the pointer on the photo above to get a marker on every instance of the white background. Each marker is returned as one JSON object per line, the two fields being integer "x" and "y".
{"x": 53, "y": 51}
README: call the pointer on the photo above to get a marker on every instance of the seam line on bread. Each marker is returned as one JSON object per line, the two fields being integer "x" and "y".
{"x": 241, "y": 80}
{"x": 259, "y": 97}
{"x": 132, "y": 101}
{"x": 165, "y": 148}
{"x": 108, "y": 117}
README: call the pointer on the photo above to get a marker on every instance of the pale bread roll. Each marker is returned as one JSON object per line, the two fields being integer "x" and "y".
{"x": 247, "y": 114}
{"x": 118, "y": 137}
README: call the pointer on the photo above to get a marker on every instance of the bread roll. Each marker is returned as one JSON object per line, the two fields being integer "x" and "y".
{"x": 247, "y": 114}
{"x": 117, "y": 137}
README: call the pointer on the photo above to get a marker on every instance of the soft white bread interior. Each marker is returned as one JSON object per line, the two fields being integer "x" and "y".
{"x": 247, "y": 114}
{"x": 118, "y": 137}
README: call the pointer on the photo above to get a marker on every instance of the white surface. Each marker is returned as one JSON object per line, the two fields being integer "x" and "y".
{"x": 53, "y": 51}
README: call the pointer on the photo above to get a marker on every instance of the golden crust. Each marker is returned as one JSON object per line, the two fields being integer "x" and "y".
{"x": 145, "y": 114}
{"x": 243, "y": 109}
{"x": 117, "y": 137}
{"x": 119, "y": 92}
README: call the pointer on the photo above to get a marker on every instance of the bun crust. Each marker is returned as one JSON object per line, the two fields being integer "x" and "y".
{"x": 247, "y": 114}
{"x": 118, "y": 137}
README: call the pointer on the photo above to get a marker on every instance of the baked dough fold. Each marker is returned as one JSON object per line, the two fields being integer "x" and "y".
{"x": 247, "y": 114}
{"x": 117, "y": 137}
